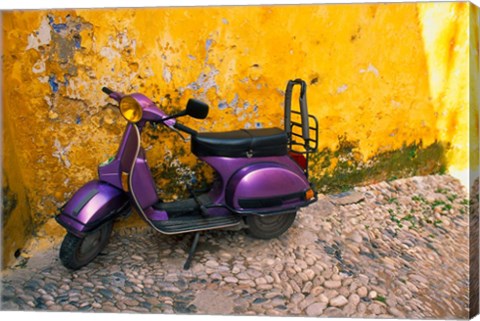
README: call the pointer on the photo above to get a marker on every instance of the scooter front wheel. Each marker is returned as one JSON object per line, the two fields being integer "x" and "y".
{"x": 77, "y": 252}
{"x": 271, "y": 226}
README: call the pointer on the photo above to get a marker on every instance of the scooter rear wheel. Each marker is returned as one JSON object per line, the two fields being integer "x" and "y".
{"x": 268, "y": 227}
{"x": 77, "y": 252}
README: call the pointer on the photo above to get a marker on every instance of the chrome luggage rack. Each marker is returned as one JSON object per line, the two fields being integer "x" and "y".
{"x": 301, "y": 127}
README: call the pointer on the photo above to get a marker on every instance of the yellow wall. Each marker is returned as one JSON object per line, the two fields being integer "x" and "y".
{"x": 381, "y": 77}
{"x": 474, "y": 95}
{"x": 17, "y": 223}
{"x": 446, "y": 40}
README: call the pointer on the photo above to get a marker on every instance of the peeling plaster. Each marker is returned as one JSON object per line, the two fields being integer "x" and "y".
{"x": 41, "y": 36}
{"x": 48, "y": 100}
{"x": 205, "y": 82}
{"x": 167, "y": 75}
{"x": 43, "y": 79}
{"x": 222, "y": 105}
{"x": 53, "y": 83}
{"x": 38, "y": 67}
{"x": 208, "y": 44}
{"x": 342, "y": 89}
{"x": 395, "y": 104}
{"x": 57, "y": 43}
{"x": 109, "y": 53}
{"x": 61, "y": 153}
{"x": 234, "y": 101}
{"x": 371, "y": 68}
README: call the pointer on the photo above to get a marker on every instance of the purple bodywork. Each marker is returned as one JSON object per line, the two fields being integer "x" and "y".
{"x": 243, "y": 178}
{"x": 92, "y": 205}
{"x": 126, "y": 181}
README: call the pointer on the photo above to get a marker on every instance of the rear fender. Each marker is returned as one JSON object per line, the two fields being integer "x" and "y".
{"x": 92, "y": 205}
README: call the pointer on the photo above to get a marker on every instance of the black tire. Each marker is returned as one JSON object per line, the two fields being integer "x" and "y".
{"x": 268, "y": 227}
{"x": 77, "y": 252}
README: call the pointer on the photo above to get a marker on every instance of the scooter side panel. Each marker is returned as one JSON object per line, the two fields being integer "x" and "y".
{"x": 266, "y": 187}
{"x": 143, "y": 184}
{"x": 226, "y": 167}
{"x": 111, "y": 173}
{"x": 92, "y": 205}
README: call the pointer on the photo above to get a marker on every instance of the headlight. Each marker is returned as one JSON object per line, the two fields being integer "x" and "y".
{"x": 130, "y": 109}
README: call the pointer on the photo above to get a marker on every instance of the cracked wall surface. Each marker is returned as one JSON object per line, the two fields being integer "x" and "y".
{"x": 388, "y": 84}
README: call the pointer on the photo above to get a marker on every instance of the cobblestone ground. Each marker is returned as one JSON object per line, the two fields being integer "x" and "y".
{"x": 394, "y": 249}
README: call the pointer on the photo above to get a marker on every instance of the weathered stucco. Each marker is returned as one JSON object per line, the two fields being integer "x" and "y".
{"x": 388, "y": 84}
{"x": 17, "y": 223}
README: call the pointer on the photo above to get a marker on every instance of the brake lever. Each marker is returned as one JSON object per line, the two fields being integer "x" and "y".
{"x": 155, "y": 127}
{"x": 179, "y": 134}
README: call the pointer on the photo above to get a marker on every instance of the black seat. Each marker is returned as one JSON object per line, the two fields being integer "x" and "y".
{"x": 241, "y": 143}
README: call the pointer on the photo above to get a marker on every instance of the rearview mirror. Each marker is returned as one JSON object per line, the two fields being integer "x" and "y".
{"x": 197, "y": 109}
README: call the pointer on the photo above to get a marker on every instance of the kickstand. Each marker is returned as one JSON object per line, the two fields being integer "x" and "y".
{"x": 186, "y": 266}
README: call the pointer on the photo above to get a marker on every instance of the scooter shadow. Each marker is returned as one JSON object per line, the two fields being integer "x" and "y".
{"x": 171, "y": 251}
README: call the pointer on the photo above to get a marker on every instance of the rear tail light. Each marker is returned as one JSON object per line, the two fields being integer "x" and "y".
{"x": 309, "y": 194}
{"x": 299, "y": 159}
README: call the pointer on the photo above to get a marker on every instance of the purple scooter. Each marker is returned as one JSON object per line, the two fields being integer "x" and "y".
{"x": 261, "y": 181}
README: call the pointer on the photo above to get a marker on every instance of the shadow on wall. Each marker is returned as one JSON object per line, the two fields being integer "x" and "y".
{"x": 17, "y": 223}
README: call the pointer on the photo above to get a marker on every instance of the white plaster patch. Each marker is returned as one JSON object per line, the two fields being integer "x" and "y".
{"x": 48, "y": 100}
{"x": 134, "y": 46}
{"x": 73, "y": 90}
{"x": 122, "y": 41}
{"x": 43, "y": 79}
{"x": 209, "y": 81}
{"x": 342, "y": 88}
{"x": 38, "y": 67}
{"x": 371, "y": 68}
{"x": 91, "y": 73}
{"x": 205, "y": 82}
{"x": 109, "y": 53}
{"x": 167, "y": 75}
{"x": 396, "y": 104}
{"x": 149, "y": 72}
{"x": 234, "y": 101}
{"x": 61, "y": 153}
{"x": 40, "y": 37}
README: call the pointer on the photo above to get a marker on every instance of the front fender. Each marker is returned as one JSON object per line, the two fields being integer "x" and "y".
{"x": 93, "y": 204}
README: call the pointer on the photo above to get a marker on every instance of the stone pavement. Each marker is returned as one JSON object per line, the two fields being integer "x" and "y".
{"x": 394, "y": 249}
